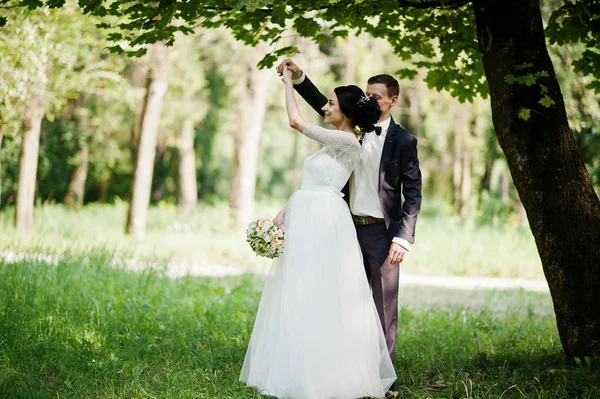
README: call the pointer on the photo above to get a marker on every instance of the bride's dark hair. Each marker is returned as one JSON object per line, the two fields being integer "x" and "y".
{"x": 363, "y": 111}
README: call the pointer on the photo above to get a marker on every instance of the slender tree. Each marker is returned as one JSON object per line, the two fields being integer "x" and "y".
{"x": 30, "y": 145}
{"x": 156, "y": 87}
{"x": 76, "y": 188}
{"x": 187, "y": 193}
{"x": 252, "y": 93}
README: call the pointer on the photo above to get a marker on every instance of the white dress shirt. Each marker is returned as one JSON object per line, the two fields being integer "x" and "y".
{"x": 364, "y": 181}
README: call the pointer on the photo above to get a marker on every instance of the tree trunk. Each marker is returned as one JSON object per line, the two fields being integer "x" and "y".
{"x": 350, "y": 61}
{"x": 104, "y": 186}
{"x": 187, "y": 190}
{"x": 253, "y": 104}
{"x": 138, "y": 78}
{"x": 28, "y": 161}
{"x": 546, "y": 167}
{"x": 505, "y": 186}
{"x": 158, "y": 184}
{"x": 76, "y": 189}
{"x": 465, "y": 184}
{"x": 146, "y": 149}
{"x": 486, "y": 179}
{"x": 457, "y": 173}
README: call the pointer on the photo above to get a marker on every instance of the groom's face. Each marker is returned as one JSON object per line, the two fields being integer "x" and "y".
{"x": 380, "y": 93}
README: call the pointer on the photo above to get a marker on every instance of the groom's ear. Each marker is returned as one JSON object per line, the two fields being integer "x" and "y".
{"x": 394, "y": 101}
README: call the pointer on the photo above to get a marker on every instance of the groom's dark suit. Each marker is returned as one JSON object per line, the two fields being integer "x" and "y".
{"x": 399, "y": 175}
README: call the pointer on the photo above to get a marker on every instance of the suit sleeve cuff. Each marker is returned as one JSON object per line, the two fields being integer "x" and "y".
{"x": 403, "y": 243}
{"x": 300, "y": 79}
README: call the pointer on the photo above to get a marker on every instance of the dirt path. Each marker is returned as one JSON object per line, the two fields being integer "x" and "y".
{"x": 176, "y": 269}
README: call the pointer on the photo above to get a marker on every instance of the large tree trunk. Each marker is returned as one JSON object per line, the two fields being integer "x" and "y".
{"x": 546, "y": 167}
{"x": 253, "y": 104}
{"x": 146, "y": 149}
{"x": 28, "y": 161}
{"x": 187, "y": 190}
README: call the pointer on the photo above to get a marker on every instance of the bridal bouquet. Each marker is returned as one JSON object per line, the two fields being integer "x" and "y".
{"x": 265, "y": 238}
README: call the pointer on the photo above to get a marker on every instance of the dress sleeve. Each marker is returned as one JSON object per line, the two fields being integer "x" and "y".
{"x": 329, "y": 137}
{"x": 343, "y": 146}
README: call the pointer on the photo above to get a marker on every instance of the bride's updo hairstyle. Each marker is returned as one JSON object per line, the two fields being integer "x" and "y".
{"x": 362, "y": 110}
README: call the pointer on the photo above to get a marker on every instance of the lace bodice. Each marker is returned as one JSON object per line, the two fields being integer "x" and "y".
{"x": 332, "y": 165}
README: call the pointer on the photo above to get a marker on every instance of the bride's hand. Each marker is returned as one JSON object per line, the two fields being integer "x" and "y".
{"x": 278, "y": 220}
{"x": 286, "y": 76}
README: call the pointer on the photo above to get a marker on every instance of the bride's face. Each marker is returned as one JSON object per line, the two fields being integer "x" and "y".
{"x": 333, "y": 113}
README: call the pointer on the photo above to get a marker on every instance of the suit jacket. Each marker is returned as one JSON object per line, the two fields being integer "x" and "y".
{"x": 399, "y": 173}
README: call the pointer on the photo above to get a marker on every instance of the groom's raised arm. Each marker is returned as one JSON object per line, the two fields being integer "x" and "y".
{"x": 310, "y": 93}
{"x": 304, "y": 86}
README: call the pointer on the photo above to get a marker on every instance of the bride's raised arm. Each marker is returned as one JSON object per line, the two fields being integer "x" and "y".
{"x": 295, "y": 119}
{"x": 324, "y": 136}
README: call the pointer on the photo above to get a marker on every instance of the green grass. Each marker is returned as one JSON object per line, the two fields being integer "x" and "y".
{"x": 82, "y": 329}
{"x": 444, "y": 246}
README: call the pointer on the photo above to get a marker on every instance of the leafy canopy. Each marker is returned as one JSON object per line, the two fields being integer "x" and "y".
{"x": 439, "y": 35}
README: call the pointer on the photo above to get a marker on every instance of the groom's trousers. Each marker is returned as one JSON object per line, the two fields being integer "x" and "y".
{"x": 382, "y": 276}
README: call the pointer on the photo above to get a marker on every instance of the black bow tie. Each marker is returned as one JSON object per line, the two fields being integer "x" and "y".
{"x": 377, "y": 130}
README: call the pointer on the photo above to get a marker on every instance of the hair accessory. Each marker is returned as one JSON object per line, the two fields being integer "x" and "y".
{"x": 363, "y": 100}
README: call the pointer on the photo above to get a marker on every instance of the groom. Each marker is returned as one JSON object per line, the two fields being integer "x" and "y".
{"x": 388, "y": 170}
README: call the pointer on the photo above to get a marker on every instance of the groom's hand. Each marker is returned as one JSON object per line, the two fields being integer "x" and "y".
{"x": 289, "y": 65}
{"x": 397, "y": 254}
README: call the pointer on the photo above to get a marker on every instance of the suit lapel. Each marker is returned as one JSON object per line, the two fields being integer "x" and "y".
{"x": 387, "y": 150}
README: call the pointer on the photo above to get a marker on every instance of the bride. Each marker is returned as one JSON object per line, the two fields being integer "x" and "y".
{"x": 317, "y": 334}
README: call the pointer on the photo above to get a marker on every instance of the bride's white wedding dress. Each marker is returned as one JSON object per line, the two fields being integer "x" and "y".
{"x": 317, "y": 334}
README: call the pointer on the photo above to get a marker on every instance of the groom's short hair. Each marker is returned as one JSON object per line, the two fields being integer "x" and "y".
{"x": 393, "y": 88}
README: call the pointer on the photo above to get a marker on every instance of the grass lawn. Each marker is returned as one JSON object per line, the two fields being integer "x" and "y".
{"x": 444, "y": 246}
{"x": 82, "y": 329}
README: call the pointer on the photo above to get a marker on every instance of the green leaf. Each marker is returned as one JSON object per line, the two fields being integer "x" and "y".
{"x": 407, "y": 73}
{"x": 307, "y": 27}
{"x": 527, "y": 80}
{"x": 114, "y": 36}
{"x": 279, "y": 14}
{"x": 524, "y": 113}
{"x": 270, "y": 58}
{"x": 33, "y": 4}
{"x": 510, "y": 79}
{"x": 546, "y": 101}
{"x": 267, "y": 61}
